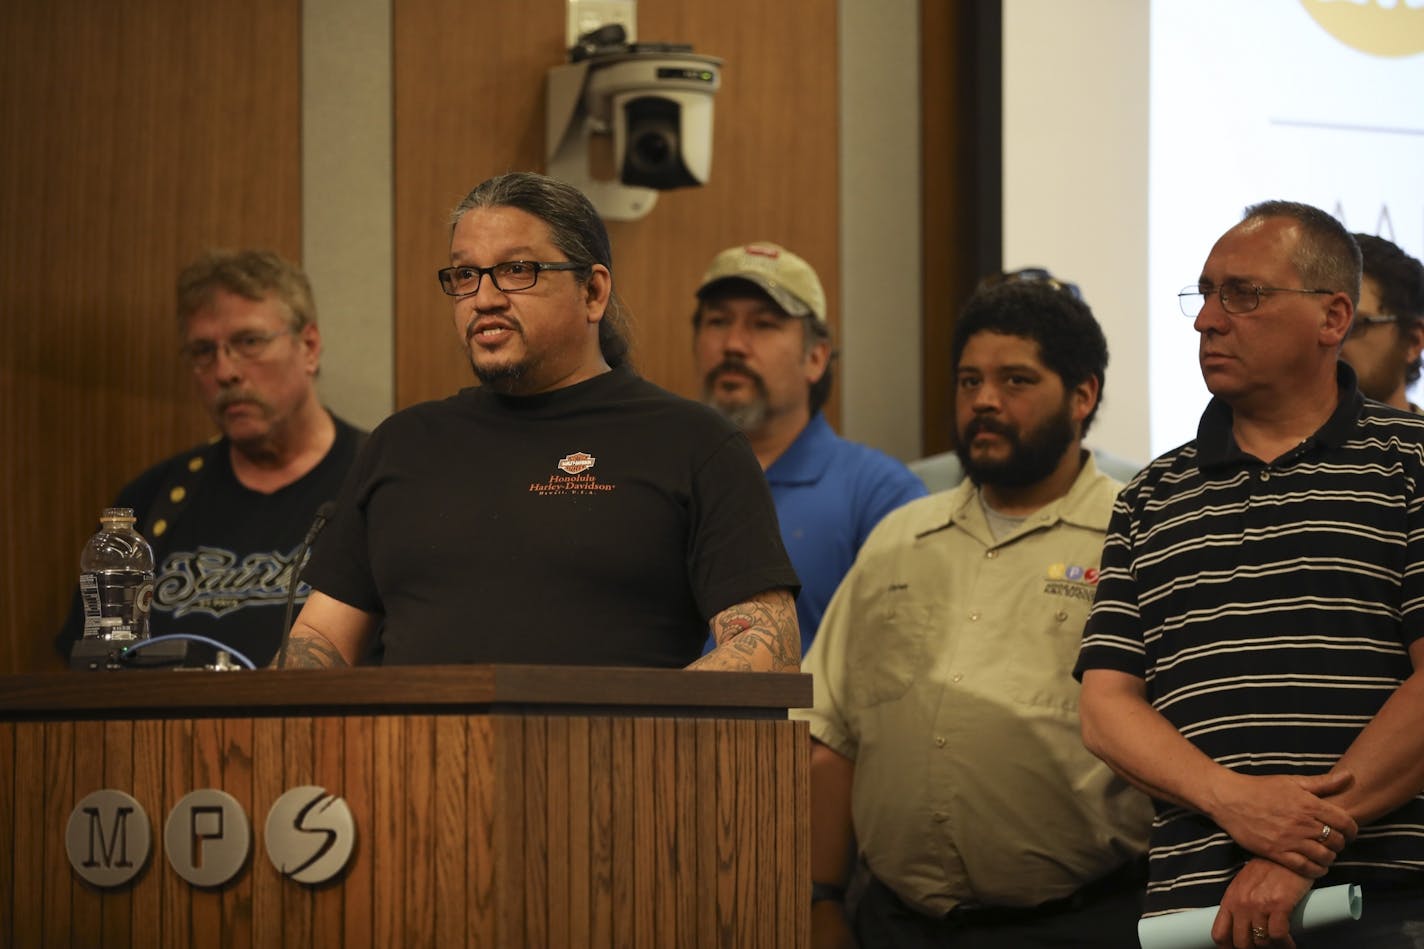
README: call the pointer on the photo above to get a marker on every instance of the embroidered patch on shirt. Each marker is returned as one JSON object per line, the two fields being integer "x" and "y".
{"x": 1071, "y": 580}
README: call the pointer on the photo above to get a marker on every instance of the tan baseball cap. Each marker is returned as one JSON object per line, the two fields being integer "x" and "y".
{"x": 786, "y": 278}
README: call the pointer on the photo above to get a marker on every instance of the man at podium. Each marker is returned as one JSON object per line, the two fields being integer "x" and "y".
{"x": 565, "y": 510}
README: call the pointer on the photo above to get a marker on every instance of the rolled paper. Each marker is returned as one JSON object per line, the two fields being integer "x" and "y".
{"x": 1191, "y": 929}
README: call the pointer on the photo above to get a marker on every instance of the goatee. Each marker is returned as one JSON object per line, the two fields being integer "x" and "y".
{"x": 502, "y": 379}
{"x": 747, "y": 416}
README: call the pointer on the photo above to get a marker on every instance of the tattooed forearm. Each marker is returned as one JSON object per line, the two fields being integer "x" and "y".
{"x": 307, "y": 650}
{"x": 760, "y": 635}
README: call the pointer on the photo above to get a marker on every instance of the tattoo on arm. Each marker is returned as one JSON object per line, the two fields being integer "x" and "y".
{"x": 310, "y": 651}
{"x": 759, "y": 635}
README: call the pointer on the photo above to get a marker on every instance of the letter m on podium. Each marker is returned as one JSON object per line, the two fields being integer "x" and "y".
{"x": 117, "y": 839}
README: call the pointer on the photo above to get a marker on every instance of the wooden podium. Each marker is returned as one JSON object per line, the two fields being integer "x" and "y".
{"x": 500, "y": 806}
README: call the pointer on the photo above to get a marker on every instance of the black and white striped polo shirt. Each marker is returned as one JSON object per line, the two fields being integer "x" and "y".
{"x": 1269, "y": 609}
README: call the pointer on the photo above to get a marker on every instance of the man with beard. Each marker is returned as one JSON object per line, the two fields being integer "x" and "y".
{"x": 944, "y": 471}
{"x": 1387, "y": 334}
{"x": 945, "y": 739}
{"x": 227, "y": 519}
{"x": 563, "y": 511}
{"x": 763, "y": 348}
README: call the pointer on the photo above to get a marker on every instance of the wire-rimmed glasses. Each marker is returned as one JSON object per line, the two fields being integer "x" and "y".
{"x": 202, "y": 354}
{"x": 1235, "y": 298}
{"x": 1363, "y": 321}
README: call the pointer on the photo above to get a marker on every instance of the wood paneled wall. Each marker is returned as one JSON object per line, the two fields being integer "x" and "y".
{"x": 136, "y": 134}
{"x": 469, "y": 95}
{"x": 472, "y": 830}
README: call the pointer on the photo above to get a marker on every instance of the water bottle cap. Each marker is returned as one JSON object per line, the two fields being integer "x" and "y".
{"x": 117, "y": 515}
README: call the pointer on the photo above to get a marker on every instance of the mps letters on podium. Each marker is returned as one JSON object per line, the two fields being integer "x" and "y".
{"x": 309, "y": 837}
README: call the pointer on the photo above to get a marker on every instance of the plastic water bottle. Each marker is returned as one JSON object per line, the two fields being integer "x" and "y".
{"x": 116, "y": 579}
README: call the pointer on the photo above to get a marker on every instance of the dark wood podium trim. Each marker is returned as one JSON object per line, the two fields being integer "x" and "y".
{"x": 394, "y": 689}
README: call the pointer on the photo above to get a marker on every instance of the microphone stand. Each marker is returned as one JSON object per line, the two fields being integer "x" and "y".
{"x": 323, "y": 514}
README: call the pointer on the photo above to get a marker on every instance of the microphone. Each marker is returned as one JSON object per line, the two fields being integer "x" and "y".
{"x": 323, "y": 514}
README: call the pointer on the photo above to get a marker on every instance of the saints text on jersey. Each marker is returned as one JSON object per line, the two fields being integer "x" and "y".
{"x": 213, "y": 581}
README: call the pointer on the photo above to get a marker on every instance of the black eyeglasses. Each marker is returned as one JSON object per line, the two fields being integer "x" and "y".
{"x": 509, "y": 277}
{"x": 1032, "y": 275}
{"x": 202, "y": 354}
{"x": 1363, "y": 321}
{"x": 1236, "y": 298}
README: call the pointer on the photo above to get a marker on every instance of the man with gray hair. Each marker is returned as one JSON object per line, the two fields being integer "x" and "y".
{"x": 1254, "y": 659}
{"x": 563, "y": 511}
{"x": 226, "y": 519}
{"x": 763, "y": 349}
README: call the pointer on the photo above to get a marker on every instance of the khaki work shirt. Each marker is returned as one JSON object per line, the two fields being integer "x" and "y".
{"x": 943, "y": 669}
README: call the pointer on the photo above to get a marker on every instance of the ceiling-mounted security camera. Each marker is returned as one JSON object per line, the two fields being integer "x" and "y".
{"x": 655, "y": 100}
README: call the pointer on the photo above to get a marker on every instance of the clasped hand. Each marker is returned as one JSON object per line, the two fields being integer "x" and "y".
{"x": 1283, "y": 818}
{"x": 1256, "y": 909}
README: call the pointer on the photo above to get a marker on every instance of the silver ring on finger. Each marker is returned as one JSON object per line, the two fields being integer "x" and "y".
{"x": 1325, "y": 833}
{"x": 1259, "y": 934}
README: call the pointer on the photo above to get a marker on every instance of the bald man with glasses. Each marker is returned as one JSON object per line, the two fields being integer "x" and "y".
{"x": 1254, "y": 653}
{"x": 227, "y": 518}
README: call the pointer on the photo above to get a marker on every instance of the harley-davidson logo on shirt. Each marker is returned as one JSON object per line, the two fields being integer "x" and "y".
{"x": 576, "y": 478}
{"x": 576, "y": 462}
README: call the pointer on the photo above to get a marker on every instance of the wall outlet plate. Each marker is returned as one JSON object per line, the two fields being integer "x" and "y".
{"x": 585, "y": 16}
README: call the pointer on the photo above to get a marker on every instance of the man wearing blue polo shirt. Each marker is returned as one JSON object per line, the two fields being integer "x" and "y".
{"x": 763, "y": 349}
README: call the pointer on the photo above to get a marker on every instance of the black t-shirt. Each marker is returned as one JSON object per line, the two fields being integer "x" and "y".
{"x": 603, "y": 523}
{"x": 224, "y": 562}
